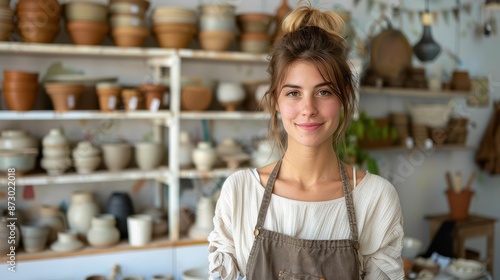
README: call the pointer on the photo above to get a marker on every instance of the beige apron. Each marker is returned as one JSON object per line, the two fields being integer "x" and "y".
{"x": 277, "y": 256}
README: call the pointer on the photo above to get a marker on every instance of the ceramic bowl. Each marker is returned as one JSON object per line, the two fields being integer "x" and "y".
{"x": 174, "y": 35}
{"x": 22, "y": 160}
{"x": 214, "y": 23}
{"x": 16, "y": 139}
{"x": 254, "y": 22}
{"x": 130, "y": 36}
{"x": 255, "y": 43}
{"x": 34, "y": 237}
{"x": 143, "y": 4}
{"x": 126, "y": 20}
{"x": 56, "y": 152}
{"x": 56, "y": 166}
{"x": 85, "y": 149}
{"x": 86, "y": 11}
{"x": 127, "y": 8}
{"x": 173, "y": 11}
{"x": 87, "y": 32}
{"x": 148, "y": 155}
{"x": 195, "y": 274}
{"x": 116, "y": 156}
{"x": 86, "y": 165}
{"x": 216, "y": 40}
{"x": 196, "y": 98}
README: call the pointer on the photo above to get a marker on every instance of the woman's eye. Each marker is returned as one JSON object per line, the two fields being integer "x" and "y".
{"x": 323, "y": 93}
{"x": 292, "y": 93}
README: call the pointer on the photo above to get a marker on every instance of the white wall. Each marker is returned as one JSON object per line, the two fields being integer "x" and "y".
{"x": 421, "y": 192}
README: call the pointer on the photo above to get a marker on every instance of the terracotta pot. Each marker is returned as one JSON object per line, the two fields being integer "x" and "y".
{"x": 64, "y": 96}
{"x": 459, "y": 204}
{"x": 130, "y": 36}
{"x": 461, "y": 81}
{"x": 216, "y": 40}
{"x": 86, "y": 32}
{"x": 154, "y": 95}
{"x": 132, "y": 99}
{"x": 15, "y": 76}
{"x": 255, "y": 22}
{"x": 255, "y": 42}
{"x": 196, "y": 98}
{"x": 108, "y": 98}
{"x": 50, "y": 7}
{"x": 19, "y": 100}
{"x": 174, "y": 35}
{"x": 38, "y": 34}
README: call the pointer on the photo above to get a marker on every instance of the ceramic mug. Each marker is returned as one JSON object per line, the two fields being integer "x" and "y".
{"x": 140, "y": 229}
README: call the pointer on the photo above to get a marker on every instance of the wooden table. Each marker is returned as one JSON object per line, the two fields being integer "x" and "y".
{"x": 473, "y": 226}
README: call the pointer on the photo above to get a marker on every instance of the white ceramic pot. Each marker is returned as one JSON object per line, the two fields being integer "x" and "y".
{"x": 16, "y": 140}
{"x": 56, "y": 152}
{"x": 186, "y": 148}
{"x": 140, "y": 229}
{"x": 56, "y": 166}
{"x": 204, "y": 219}
{"x": 81, "y": 211}
{"x": 265, "y": 154}
{"x": 34, "y": 237}
{"x": 67, "y": 241}
{"x": 204, "y": 156}
{"x": 148, "y": 155}
{"x": 230, "y": 94}
{"x": 85, "y": 149}
{"x": 116, "y": 155}
{"x": 55, "y": 137}
{"x": 103, "y": 232}
{"x": 228, "y": 147}
{"x": 86, "y": 165}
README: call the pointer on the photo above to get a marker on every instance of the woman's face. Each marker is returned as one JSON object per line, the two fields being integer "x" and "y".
{"x": 309, "y": 109}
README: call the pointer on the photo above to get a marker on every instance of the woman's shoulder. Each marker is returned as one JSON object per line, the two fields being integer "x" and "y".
{"x": 378, "y": 187}
{"x": 238, "y": 180}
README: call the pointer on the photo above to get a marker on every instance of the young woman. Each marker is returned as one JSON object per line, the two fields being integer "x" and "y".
{"x": 309, "y": 215}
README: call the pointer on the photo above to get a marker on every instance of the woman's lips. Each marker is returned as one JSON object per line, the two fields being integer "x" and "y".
{"x": 309, "y": 126}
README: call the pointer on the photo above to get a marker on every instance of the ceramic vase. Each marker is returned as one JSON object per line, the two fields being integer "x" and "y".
{"x": 148, "y": 155}
{"x": 67, "y": 241}
{"x": 81, "y": 211}
{"x": 34, "y": 237}
{"x": 16, "y": 140}
{"x": 204, "y": 156}
{"x": 230, "y": 95}
{"x": 186, "y": 148}
{"x": 120, "y": 205}
{"x": 204, "y": 219}
{"x": 140, "y": 229}
{"x": 103, "y": 232}
{"x": 55, "y": 220}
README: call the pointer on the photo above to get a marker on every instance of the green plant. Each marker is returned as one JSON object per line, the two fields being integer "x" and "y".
{"x": 367, "y": 129}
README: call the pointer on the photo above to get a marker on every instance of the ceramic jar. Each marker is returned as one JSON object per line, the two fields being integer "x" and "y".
{"x": 140, "y": 229}
{"x": 55, "y": 220}
{"x": 81, "y": 211}
{"x": 56, "y": 152}
{"x": 116, "y": 156}
{"x": 204, "y": 219}
{"x": 103, "y": 232}
{"x": 230, "y": 95}
{"x": 148, "y": 155}
{"x": 265, "y": 154}
{"x": 86, "y": 157}
{"x": 109, "y": 94}
{"x": 16, "y": 140}
{"x": 120, "y": 205}
{"x": 34, "y": 237}
{"x": 186, "y": 147}
{"x": 67, "y": 241}
{"x": 55, "y": 137}
{"x": 204, "y": 156}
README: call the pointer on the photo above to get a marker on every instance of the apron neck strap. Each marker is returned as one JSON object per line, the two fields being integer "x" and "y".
{"x": 349, "y": 202}
{"x": 266, "y": 200}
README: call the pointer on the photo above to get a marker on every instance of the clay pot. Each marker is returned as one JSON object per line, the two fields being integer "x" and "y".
{"x": 459, "y": 204}
{"x": 20, "y": 76}
{"x": 204, "y": 156}
{"x": 103, "y": 232}
{"x": 87, "y": 32}
{"x": 86, "y": 11}
{"x": 32, "y": 33}
{"x": 108, "y": 97}
{"x": 255, "y": 43}
{"x": 17, "y": 139}
{"x": 81, "y": 212}
{"x": 130, "y": 36}
{"x": 64, "y": 96}
{"x": 171, "y": 35}
{"x": 255, "y": 22}
{"x": 116, "y": 155}
{"x": 148, "y": 155}
{"x": 216, "y": 40}
{"x": 20, "y": 100}
{"x": 153, "y": 95}
{"x": 461, "y": 81}
{"x": 132, "y": 99}
{"x": 196, "y": 98}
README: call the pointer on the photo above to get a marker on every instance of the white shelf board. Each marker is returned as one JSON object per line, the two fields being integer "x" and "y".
{"x": 223, "y": 56}
{"x": 80, "y": 50}
{"x": 223, "y": 115}
{"x": 214, "y": 173}
{"x": 407, "y": 92}
{"x": 83, "y": 115}
{"x": 161, "y": 174}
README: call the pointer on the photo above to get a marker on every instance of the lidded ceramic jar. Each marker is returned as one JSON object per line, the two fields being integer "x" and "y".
{"x": 81, "y": 211}
{"x": 186, "y": 147}
{"x": 103, "y": 232}
{"x": 228, "y": 147}
{"x": 86, "y": 157}
{"x": 17, "y": 139}
{"x": 204, "y": 156}
{"x": 55, "y": 137}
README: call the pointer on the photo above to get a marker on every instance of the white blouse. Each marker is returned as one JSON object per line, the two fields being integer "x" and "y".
{"x": 378, "y": 215}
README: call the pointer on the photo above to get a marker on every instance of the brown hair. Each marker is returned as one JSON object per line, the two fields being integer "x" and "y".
{"x": 311, "y": 35}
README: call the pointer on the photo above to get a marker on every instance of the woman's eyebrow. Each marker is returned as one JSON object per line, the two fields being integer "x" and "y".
{"x": 316, "y": 86}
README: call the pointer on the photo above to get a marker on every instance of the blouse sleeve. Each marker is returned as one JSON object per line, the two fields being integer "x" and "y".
{"x": 222, "y": 261}
{"x": 382, "y": 254}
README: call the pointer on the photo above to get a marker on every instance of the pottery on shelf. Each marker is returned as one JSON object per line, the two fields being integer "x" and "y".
{"x": 103, "y": 232}
{"x": 34, "y": 237}
{"x": 148, "y": 155}
{"x": 64, "y": 96}
{"x": 17, "y": 139}
{"x": 186, "y": 147}
{"x": 55, "y": 137}
{"x": 109, "y": 94}
{"x": 196, "y": 98}
{"x": 81, "y": 211}
{"x": 132, "y": 99}
{"x": 86, "y": 157}
{"x": 140, "y": 229}
{"x": 204, "y": 156}
{"x": 116, "y": 155}
{"x": 230, "y": 95}
{"x": 204, "y": 219}
{"x": 54, "y": 219}
{"x": 67, "y": 241}
{"x": 160, "y": 224}
{"x": 120, "y": 205}
{"x": 154, "y": 96}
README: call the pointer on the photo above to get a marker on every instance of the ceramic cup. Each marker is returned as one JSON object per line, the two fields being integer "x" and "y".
{"x": 140, "y": 229}
{"x": 34, "y": 237}
{"x": 148, "y": 155}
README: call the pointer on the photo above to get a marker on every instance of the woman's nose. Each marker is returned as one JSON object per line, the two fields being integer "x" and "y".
{"x": 308, "y": 106}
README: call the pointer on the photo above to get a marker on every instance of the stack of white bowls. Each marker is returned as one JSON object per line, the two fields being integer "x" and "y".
{"x": 128, "y": 24}
{"x": 17, "y": 150}
{"x": 217, "y": 26}
{"x": 6, "y": 20}
{"x": 56, "y": 152}
{"x": 86, "y": 157}
{"x": 174, "y": 27}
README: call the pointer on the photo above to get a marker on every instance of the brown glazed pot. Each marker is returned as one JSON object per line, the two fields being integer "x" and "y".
{"x": 153, "y": 92}
{"x": 196, "y": 98}
{"x": 20, "y": 101}
{"x": 132, "y": 99}
{"x": 64, "y": 96}
{"x": 86, "y": 32}
{"x": 108, "y": 98}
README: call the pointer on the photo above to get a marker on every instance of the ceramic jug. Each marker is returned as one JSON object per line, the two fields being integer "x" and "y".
{"x": 55, "y": 220}
{"x": 103, "y": 232}
{"x": 81, "y": 211}
{"x": 204, "y": 156}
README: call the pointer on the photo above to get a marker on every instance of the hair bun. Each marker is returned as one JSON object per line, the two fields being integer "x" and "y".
{"x": 306, "y": 15}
